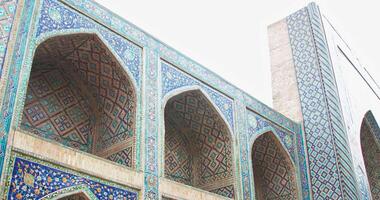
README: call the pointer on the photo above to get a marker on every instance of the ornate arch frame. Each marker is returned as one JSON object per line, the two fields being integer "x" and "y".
{"x": 81, "y": 189}
{"x": 25, "y": 74}
{"x": 271, "y": 130}
{"x": 161, "y": 143}
{"x": 370, "y": 121}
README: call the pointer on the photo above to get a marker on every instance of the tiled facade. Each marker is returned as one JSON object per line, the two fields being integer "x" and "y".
{"x": 371, "y": 155}
{"x": 325, "y": 135}
{"x": 34, "y": 179}
{"x": 7, "y": 13}
{"x": 77, "y": 94}
{"x": 198, "y": 144}
{"x": 273, "y": 171}
{"x": 78, "y": 76}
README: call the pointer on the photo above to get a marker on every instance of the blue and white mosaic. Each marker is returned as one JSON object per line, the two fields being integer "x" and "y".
{"x": 327, "y": 145}
{"x": 257, "y": 125}
{"x": 35, "y": 179}
{"x": 7, "y": 11}
{"x": 173, "y": 79}
{"x": 363, "y": 185}
{"x": 56, "y": 18}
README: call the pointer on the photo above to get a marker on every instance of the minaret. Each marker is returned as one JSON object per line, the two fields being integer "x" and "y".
{"x": 304, "y": 89}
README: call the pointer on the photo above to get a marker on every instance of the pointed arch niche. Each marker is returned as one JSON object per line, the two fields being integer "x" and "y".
{"x": 80, "y": 96}
{"x": 273, "y": 172}
{"x": 77, "y": 196}
{"x": 198, "y": 145}
{"x": 370, "y": 145}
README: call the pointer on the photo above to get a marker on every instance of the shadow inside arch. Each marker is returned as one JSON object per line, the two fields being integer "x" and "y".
{"x": 198, "y": 89}
{"x": 274, "y": 172}
{"x": 81, "y": 192}
{"x": 370, "y": 145}
{"x": 83, "y": 97}
{"x": 198, "y": 143}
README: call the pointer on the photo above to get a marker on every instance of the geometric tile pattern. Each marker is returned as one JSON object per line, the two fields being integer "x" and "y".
{"x": 125, "y": 28}
{"x": 34, "y": 179}
{"x": 151, "y": 130}
{"x": 331, "y": 168}
{"x": 178, "y": 158}
{"x": 227, "y": 191}
{"x": 371, "y": 155}
{"x": 56, "y": 109}
{"x": 78, "y": 93}
{"x": 7, "y": 11}
{"x": 337, "y": 124}
{"x": 54, "y": 18}
{"x": 373, "y": 125}
{"x": 251, "y": 126}
{"x": 273, "y": 171}
{"x": 12, "y": 80}
{"x": 197, "y": 143}
{"x": 143, "y": 39}
{"x": 123, "y": 157}
{"x": 257, "y": 125}
{"x": 110, "y": 88}
{"x": 363, "y": 185}
{"x": 172, "y": 79}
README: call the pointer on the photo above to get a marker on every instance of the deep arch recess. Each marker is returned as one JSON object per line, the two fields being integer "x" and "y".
{"x": 80, "y": 96}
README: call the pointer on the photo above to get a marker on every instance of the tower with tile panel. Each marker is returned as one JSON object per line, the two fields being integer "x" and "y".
{"x": 316, "y": 73}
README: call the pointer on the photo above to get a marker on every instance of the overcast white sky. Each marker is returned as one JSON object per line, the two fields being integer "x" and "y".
{"x": 230, "y": 37}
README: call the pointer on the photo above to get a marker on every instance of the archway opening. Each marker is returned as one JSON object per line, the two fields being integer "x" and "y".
{"x": 371, "y": 153}
{"x": 198, "y": 145}
{"x": 273, "y": 171}
{"x": 80, "y": 96}
{"x": 78, "y": 196}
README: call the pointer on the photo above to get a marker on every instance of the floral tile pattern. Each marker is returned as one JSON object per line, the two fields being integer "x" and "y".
{"x": 34, "y": 179}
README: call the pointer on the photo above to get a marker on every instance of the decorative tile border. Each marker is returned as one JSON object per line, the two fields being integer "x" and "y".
{"x": 173, "y": 79}
{"x": 151, "y": 127}
{"x": 327, "y": 144}
{"x": 17, "y": 61}
{"x": 58, "y": 19}
{"x": 127, "y": 29}
{"x": 7, "y": 12}
{"x": 31, "y": 178}
{"x": 254, "y": 125}
{"x": 363, "y": 184}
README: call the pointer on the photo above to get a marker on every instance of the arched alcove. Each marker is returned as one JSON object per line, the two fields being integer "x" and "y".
{"x": 80, "y": 96}
{"x": 371, "y": 153}
{"x": 78, "y": 196}
{"x": 274, "y": 173}
{"x": 198, "y": 144}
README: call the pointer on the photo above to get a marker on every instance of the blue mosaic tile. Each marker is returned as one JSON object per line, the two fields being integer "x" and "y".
{"x": 257, "y": 125}
{"x": 173, "y": 79}
{"x": 363, "y": 185}
{"x": 33, "y": 179}
{"x": 58, "y": 18}
{"x": 331, "y": 168}
{"x": 7, "y": 11}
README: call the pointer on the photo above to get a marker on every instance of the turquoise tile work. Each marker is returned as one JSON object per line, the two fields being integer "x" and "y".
{"x": 331, "y": 168}
{"x": 156, "y": 72}
{"x": 318, "y": 160}
{"x": 7, "y": 12}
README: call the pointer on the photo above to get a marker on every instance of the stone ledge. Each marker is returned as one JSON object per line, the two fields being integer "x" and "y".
{"x": 176, "y": 190}
{"x": 77, "y": 160}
